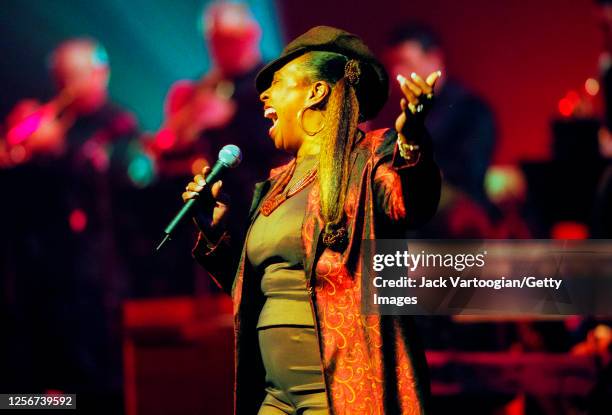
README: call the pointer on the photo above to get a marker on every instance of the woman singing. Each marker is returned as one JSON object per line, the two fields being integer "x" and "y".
{"x": 303, "y": 345}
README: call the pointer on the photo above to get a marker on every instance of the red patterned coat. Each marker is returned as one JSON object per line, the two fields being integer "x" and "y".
{"x": 372, "y": 364}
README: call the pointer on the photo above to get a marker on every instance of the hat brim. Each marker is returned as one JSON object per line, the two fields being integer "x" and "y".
{"x": 263, "y": 80}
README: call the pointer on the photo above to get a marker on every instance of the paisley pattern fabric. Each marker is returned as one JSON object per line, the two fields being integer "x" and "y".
{"x": 373, "y": 364}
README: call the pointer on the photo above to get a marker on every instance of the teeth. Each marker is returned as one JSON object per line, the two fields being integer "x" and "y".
{"x": 269, "y": 112}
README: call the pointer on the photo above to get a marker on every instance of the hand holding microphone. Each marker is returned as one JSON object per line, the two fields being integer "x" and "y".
{"x": 210, "y": 217}
{"x": 206, "y": 188}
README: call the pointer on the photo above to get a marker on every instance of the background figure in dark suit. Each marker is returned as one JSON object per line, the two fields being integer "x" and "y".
{"x": 463, "y": 131}
{"x": 461, "y": 125}
{"x": 219, "y": 108}
{"x": 64, "y": 271}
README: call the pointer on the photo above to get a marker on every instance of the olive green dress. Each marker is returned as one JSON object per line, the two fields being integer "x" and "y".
{"x": 287, "y": 338}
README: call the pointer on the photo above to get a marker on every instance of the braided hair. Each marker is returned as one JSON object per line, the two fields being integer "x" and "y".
{"x": 342, "y": 108}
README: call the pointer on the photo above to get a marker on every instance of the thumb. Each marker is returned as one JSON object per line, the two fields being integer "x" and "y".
{"x": 400, "y": 121}
{"x": 216, "y": 189}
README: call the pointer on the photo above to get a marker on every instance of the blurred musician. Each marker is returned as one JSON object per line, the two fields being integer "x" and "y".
{"x": 220, "y": 108}
{"x": 63, "y": 162}
{"x": 462, "y": 125}
{"x": 80, "y": 70}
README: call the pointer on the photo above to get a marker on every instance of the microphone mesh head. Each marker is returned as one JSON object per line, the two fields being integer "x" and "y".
{"x": 230, "y": 155}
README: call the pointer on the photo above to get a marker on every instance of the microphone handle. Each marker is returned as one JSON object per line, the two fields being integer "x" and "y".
{"x": 213, "y": 176}
{"x": 179, "y": 216}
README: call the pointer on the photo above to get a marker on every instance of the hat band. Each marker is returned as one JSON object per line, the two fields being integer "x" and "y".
{"x": 352, "y": 71}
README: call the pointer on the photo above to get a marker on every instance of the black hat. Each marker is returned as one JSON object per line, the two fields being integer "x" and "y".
{"x": 373, "y": 87}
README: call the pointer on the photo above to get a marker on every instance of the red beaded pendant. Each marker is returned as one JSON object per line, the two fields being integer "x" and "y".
{"x": 277, "y": 196}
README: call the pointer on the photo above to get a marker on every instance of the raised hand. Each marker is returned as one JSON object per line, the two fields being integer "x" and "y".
{"x": 417, "y": 100}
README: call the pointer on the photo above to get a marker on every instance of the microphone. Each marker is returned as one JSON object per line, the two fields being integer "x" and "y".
{"x": 229, "y": 157}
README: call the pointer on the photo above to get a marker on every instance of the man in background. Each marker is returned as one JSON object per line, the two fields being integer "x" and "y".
{"x": 64, "y": 162}
{"x": 461, "y": 125}
{"x": 462, "y": 128}
{"x": 222, "y": 107}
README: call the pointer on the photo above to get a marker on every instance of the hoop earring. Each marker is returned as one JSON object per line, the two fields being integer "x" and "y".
{"x": 301, "y": 122}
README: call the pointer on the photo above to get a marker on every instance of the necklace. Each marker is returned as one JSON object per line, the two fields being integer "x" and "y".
{"x": 278, "y": 194}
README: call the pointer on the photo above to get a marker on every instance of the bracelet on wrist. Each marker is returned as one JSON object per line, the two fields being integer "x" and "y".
{"x": 408, "y": 151}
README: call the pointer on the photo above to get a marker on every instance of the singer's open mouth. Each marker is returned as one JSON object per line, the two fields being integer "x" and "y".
{"x": 270, "y": 113}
